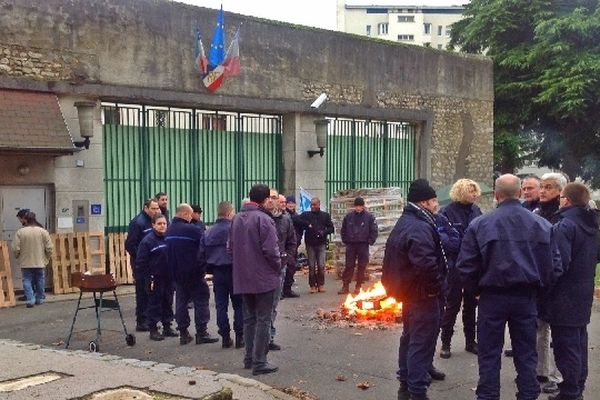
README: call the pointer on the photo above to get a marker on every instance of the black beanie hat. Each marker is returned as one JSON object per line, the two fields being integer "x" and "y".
{"x": 420, "y": 190}
{"x": 359, "y": 201}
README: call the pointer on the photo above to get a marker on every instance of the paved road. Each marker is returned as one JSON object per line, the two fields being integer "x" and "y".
{"x": 313, "y": 354}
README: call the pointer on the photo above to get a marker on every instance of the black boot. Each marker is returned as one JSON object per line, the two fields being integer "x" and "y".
{"x": 357, "y": 288}
{"x": 169, "y": 332}
{"x": 226, "y": 342}
{"x": 403, "y": 393}
{"x": 239, "y": 341}
{"x": 156, "y": 335}
{"x": 204, "y": 337}
{"x": 471, "y": 346}
{"x": 184, "y": 337}
{"x": 445, "y": 351}
{"x": 436, "y": 374}
{"x": 420, "y": 396}
{"x": 345, "y": 289}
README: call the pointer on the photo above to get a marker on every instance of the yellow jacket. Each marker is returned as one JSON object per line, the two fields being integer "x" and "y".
{"x": 32, "y": 247}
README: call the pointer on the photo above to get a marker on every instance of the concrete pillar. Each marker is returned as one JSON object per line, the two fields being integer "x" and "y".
{"x": 300, "y": 170}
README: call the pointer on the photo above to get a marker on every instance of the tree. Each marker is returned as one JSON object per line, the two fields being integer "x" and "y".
{"x": 547, "y": 75}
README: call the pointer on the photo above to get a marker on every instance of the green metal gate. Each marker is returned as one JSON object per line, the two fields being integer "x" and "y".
{"x": 367, "y": 154}
{"x": 195, "y": 156}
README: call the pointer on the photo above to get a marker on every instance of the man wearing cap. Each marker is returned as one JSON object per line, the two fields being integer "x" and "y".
{"x": 507, "y": 267}
{"x": 197, "y": 217}
{"x": 414, "y": 268}
{"x": 359, "y": 230}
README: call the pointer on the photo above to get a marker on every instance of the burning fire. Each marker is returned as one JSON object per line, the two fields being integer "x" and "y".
{"x": 373, "y": 303}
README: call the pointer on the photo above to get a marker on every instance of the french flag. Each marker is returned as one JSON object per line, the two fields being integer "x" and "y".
{"x": 232, "y": 58}
{"x": 201, "y": 60}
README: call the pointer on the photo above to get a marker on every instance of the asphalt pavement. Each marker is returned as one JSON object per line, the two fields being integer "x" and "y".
{"x": 318, "y": 360}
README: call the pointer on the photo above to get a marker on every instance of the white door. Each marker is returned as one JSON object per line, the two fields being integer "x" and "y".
{"x": 13, "y": 199}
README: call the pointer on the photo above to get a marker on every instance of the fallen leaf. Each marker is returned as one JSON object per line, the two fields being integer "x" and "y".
{"x": 363, "y": 385}
{"x": 340, "y": 378}
{"x": 192, "y": 382}
{"x": 59, "y": 343}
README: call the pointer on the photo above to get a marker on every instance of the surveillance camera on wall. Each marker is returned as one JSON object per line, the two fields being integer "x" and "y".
{"x": 319, "y": 101}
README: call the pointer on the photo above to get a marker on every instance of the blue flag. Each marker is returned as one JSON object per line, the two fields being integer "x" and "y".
{"x": 305, "y": 199}
{"x": 216, "y": 54}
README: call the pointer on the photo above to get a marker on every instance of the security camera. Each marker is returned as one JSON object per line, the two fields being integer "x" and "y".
{"x": 319, "y": 101}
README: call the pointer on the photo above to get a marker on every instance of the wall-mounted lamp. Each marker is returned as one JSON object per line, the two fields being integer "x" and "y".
{"x": 321, "y": 132}
{"x": 23, "y": 169}
{"x": 85, "y": 114}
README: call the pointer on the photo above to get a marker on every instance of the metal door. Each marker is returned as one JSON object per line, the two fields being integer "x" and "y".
{"x": 12, "y": 199}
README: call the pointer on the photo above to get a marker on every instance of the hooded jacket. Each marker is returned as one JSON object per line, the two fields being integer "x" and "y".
{"x": 569, "y": 302}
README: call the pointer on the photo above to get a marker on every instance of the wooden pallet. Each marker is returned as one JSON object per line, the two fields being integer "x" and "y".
{"x": 118, "y": 258}
{"x": 75, "y": 252}
{"x": 7, "y": 291}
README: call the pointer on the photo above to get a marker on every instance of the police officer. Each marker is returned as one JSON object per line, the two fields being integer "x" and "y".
{"x": 359, "y": 230}
{"x": 139, "y": 226}
{"x": 506, "y": 257}
{"x": 183, "y": 240}
{"x": 414, "y": 270}
{"x": 151, "y": 262}
{"x": 197, "y": 217}
{"x": 567, "y": 307}
{"x": 213, "y": 252}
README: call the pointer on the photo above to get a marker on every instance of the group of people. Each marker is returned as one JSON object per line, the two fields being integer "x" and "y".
{"x": 252, "y": 256}
{"x": 527, "y": 264}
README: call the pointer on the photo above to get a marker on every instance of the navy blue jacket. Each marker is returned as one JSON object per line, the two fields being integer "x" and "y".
{"x": 460, "y": 215}
{"x": 183, "y": 241}
{"x": 569, "y": 302}
{"x": 200, "y": 224}
{"x": 509, "y": 248}
{"x": 213, "y": 246}
{"x": 413, "y": 264}
{"x": 531, "y": 205}
{"x": 152, "y": 256}
{"x": 359, "y": 228}
{"x": 317, "y": 226}
{"x": 139, "y": 226}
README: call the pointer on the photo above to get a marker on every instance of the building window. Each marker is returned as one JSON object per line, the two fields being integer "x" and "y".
{"x": 440, "y": 29}
{"x": 406, "y": 38}
{"x": 448, "y": 30}
{"x": 382, "y": 29}
{"x": 368, "y": 30}
{"x": 406, "y": 18}
{"x": 427, "y": 29}
{"x": 214, "y": 122}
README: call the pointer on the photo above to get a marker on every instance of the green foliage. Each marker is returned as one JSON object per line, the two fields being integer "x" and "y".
{"x": 547, "y": 78}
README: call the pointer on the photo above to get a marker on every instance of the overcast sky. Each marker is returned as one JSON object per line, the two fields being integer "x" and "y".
{"x": 318, "y": 13}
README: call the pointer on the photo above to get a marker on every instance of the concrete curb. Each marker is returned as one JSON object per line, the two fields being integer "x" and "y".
{"x": 167, "y": 378}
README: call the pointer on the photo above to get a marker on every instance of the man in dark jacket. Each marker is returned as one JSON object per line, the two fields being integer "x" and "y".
{"x": 183, "y": 241}
{"x": 506, "y": 257}
{"x": 163, "y": 203}
{"x": 550, "y": 187}
{"x": 139, "y": 226}
{"x": 286, "y": 239}
{"x": 318, "y": 226}
{"x": 359, "y": 230}
{"x": 213, "y": 253}
{"x": 464, "y": 193}
{"x": 256, "y": 275}
{"x": 414, "y": 270}
{"x": 530, "y": 187}
{"x": 567, "y": 307}
{"x": 197, "y": 217}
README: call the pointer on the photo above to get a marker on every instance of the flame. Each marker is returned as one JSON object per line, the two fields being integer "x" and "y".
{"x": 372, "y": 303}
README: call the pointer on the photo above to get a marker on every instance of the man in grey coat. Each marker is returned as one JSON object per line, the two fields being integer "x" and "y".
{"x": 256, "y": 275}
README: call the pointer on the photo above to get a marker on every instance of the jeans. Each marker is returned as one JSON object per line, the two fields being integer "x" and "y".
{"x": 421, "y": 322}
{"x": 571, "y": 354}
{"x": 34, "y": 278}
{"x": 356, "y": 252}
{"x": 290, "y": 270}
{"x": 275, "y": 303}
{"x": 546, "y": 365}
{"x": 519, "y": 310}
{"x": 160, "y": 301}
{"x": 316, "y": 264}
{"x": 258, "y": 309}
{"x": 196, "y": 290}
{"x": 223, "y": 288}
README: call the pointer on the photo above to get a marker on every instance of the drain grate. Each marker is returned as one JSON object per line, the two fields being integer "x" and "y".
{"x": 14, "y": 385}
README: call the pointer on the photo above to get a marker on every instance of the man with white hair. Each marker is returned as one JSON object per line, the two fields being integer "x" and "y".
{"x": 551, "y": 185}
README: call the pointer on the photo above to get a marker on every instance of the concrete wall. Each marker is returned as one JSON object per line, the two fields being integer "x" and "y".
{"x": 142, "y": 51}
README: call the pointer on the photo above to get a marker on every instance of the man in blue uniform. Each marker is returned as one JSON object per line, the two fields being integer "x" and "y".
{"x": 568, "y": 305}
{"x": 139, "y": 226}
{"x": 359, "y": 230}
{"x": 414, "y": 270}
{"x": 183, "y": 240}
{"x": 213, "y": 252}
{"x": 507, "y": 257}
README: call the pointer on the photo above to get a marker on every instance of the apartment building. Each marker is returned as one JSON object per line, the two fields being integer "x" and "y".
{"x": 421, "y": 25}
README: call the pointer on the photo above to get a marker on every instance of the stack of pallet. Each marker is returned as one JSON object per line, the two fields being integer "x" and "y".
{"x": 385, "y": 204}
{"x": 7, "y": 292}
